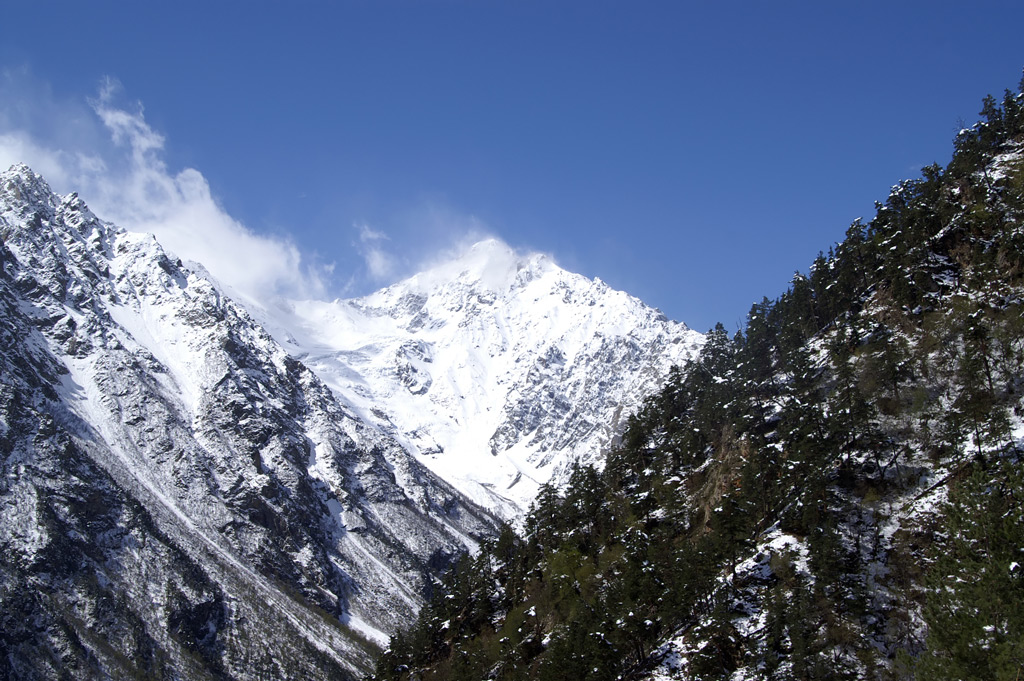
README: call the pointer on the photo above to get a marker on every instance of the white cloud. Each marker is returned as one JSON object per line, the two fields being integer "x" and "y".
{"x": 369, "y": 235}
{"x": 380, "y": 264}
{"x": 127, "y": 182}
{"x": 453, "y": 233}
{"x": 103, "y": 148}
{"x": 58, "y": 167}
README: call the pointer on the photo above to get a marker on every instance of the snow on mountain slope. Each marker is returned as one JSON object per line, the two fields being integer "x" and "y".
{"x": 497, "y": 370}
{"x": 184, "y": 497}
{"x": 180, "y": 496}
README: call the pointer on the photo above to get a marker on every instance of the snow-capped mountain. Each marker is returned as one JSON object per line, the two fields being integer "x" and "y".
{"x": 496, "y": 370}
{"x": 190, "y": 492}
{"x": 181, "y": 497}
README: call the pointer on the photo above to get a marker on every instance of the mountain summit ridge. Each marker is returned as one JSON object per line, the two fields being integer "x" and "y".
{"x": 491, "y": 263}
{"x": 498, "y": 370}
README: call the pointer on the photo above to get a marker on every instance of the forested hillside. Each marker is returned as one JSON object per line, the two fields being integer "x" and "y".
{"x": 834, "y": 492}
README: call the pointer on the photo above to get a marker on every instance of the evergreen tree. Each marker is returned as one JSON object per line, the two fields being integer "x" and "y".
{"x": 974, "y": 610}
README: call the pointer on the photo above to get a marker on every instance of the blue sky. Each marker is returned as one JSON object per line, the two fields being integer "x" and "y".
{"x": 692, "y": 154}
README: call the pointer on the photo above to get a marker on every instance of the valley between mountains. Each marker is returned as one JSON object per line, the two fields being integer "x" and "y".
{"x": 497, "y": 469}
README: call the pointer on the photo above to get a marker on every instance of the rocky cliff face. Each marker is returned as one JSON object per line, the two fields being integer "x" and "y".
{"x": 183, "y": 498}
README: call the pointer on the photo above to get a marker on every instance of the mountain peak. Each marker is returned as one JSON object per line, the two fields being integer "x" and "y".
{"x": 20, "y": 169}
{"x": 487, "y": 265}
{"x": 19, "y": 184}
{"x": 497, "y": 369}
{"x": 490, "y": 244}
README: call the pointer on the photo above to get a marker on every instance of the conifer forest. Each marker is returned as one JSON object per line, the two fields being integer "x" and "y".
{"x": 833, "y": 491}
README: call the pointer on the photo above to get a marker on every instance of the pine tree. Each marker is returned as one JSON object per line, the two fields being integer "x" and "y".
{"x": 974, "y": 610}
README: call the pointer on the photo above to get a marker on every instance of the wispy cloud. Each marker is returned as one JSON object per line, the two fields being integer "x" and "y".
{"x": 116, "y": 164}
{"x": 381, "y": 265}
{"x": 425, "y": 236}
{"x": 442, "y": 232}
{"x": 104, "y": 148}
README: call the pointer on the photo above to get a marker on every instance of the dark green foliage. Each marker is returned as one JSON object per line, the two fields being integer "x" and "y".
{"x": 892, "y": 369}
{"x": 977, "y": 580}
